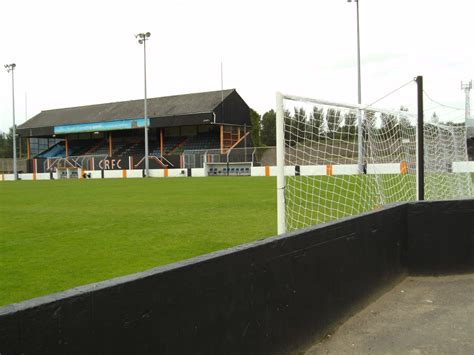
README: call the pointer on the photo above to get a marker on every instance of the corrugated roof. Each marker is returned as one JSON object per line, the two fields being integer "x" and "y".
{"x": 177, "y": 105}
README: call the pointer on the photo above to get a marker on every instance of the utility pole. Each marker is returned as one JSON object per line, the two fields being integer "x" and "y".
{"x": 467, "y": 88}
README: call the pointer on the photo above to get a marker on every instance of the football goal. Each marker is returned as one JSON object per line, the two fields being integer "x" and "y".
{"x": 330, "y": 166}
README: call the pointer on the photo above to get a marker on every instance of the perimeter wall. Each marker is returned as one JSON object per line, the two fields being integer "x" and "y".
{"x": 272, "y": 296}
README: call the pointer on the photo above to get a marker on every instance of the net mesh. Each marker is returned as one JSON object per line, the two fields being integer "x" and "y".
{"x": 336, "y": 178}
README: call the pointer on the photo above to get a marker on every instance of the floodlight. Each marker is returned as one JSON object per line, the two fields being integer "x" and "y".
{"x": 10, "y": 68}
{"x": 142, "y": 37}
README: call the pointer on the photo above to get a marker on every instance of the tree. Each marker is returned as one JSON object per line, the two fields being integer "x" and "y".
{"x": 255, "y": 120}
{"x": 299, "y": 124}
{"x": 405, "y": 122}
{"x": 333, "y": 118}
{"x": 369, "y": 123}
{"x": 316, "y": 122}
{"x": 268, "y": 134}
{"x": 6, "y": 145}
{"x": 388, "y": 123}
{"x": 350, "y": 121}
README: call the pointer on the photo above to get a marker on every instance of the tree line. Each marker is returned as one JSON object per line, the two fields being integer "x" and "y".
{"x": 320, "y": 124}
{"x": 6, "y": 145}
{"x": 316, "y": 125}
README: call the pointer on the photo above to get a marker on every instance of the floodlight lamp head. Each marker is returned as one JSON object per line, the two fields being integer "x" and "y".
{"x": 10, "y": 67}
{"x": 140, "y": 41}
{"x": 148, "y": 34}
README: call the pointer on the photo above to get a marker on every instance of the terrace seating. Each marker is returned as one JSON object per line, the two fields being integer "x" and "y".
{"x": 134, "y": 147}
{"x": 56, "y": 151}
{"x": 123, "y": 147}
{"x": 199, "y": 142}
{"x": 84, "y": 147}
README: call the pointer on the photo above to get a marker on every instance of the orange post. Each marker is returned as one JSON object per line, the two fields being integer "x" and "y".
{"x": 34, "y": 169}
{"x": 165, "y": 172}
{"x": 329, "y": 170}
{"x": 403, "y": 167}
{"x": 67, "y": 148}
{"x": 124, "y": 173}
{"x": 222, "y": 139}
{"x": 110, "y": 144}
{"x": 161, "y": 142}
{"x": 267, "y": 170}
{"x": 28, "y": 151}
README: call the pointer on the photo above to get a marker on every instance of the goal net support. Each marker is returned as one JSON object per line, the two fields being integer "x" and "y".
{"x": 325, "y": 174}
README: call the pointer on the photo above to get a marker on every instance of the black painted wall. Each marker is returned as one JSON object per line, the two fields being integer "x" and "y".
{"x": 234, "y": 110}
{"x": 271, "y": 296}
{"x": 440, "y": 237}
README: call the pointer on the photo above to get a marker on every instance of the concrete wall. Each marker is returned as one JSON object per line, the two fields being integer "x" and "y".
{"x": 6, "y": 165}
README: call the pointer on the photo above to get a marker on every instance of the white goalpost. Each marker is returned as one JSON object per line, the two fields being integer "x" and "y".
{"x": 323, "y": 177}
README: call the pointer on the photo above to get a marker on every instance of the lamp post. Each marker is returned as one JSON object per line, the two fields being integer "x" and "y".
{"x": 360, "y": 141}
{"x": 11, "y": 68}
{"x": 142, "y": 38}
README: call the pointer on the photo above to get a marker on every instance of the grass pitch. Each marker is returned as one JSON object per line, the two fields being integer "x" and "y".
{"x": 55, "y": 235}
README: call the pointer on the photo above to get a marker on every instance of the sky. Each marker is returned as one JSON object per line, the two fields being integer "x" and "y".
{"x": 74, "y": 53}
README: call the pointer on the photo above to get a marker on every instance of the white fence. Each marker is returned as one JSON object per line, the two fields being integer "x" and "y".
{"x": 304, "y": 170}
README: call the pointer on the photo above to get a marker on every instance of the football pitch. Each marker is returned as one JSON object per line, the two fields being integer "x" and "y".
{"x": 55, "y": 235}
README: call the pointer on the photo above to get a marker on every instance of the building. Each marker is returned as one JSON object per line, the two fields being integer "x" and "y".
{"x": 111, "y": 135}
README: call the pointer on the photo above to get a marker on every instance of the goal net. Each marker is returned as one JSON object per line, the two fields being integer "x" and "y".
{"x": 340, "y": 160}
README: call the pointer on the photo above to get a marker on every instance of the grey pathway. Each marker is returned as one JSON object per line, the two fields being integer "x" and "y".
{"x": 421, "y": 315}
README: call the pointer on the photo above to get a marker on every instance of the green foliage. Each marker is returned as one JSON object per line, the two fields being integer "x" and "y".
{"x": 333, "y": 119}
{"x": 6, "y": 145}
{"x": 268, "y": 133}
{"x": 350, "y": 123}
{"x": 255, "y": 120}
{"x": 316, "y": 122}
{"x": 388, "y": 123}
{"x": 298, "y": 125}
{"x": 369, "y": 122}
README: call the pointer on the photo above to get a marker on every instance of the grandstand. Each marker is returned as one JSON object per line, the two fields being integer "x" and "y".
{"x": 218, "y": 120}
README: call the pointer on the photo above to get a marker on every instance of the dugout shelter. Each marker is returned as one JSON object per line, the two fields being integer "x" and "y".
{"x": 110, "y": 136}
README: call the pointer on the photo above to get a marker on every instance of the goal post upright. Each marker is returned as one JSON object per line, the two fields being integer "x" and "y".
{"x": 280, "y": 160}
{"x": 360, "y": 141}
{"x": 420, "y": 158}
